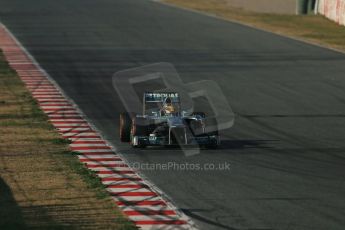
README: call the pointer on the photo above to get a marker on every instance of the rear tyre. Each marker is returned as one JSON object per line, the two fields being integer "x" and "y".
{"x": 213, "y": 133}
{"x": 125, "y": 127}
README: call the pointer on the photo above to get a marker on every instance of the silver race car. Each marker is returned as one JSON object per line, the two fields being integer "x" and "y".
{"x": 164, "y": 124}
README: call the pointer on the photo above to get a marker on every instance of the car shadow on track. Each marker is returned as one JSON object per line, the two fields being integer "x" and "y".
{"x": 246, "y": 144}
{"x": 225, "y": 145}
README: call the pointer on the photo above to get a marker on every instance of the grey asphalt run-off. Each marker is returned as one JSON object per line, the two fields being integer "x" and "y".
{"x": 286, "y": 149}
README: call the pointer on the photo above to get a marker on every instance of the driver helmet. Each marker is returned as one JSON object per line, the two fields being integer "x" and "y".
{"x": 168, "y": 106}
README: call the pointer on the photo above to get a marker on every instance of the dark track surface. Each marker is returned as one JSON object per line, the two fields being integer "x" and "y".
{"x": 286, "y": 149}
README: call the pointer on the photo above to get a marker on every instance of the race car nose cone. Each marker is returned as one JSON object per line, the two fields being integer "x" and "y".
{"x": 175, "y": 122}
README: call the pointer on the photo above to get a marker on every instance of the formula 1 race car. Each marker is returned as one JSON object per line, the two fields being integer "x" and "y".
{"x": 164, "y": 124}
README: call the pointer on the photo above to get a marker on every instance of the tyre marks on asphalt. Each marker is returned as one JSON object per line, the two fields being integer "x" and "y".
{"x": 142, "y": 204}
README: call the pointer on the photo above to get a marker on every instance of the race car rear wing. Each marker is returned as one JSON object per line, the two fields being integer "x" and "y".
{"x": 153, "y": 101}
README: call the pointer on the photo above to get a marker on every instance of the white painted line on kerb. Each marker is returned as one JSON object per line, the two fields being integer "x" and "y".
{"x": 115, "y": 173}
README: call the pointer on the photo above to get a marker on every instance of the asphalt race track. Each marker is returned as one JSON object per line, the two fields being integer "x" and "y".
{"x": 286, "y": 149}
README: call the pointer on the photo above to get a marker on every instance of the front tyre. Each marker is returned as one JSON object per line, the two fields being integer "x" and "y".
{"x": 139, "y": 129}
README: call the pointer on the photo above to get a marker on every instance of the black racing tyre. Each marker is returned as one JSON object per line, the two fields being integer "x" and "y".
{"x": 125, "y": 127}
{"x": 211, "y": 127}
{"x": 196, "y": 127}
{"x": 139, "y": 126}
{"x": 212, "y": 130}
